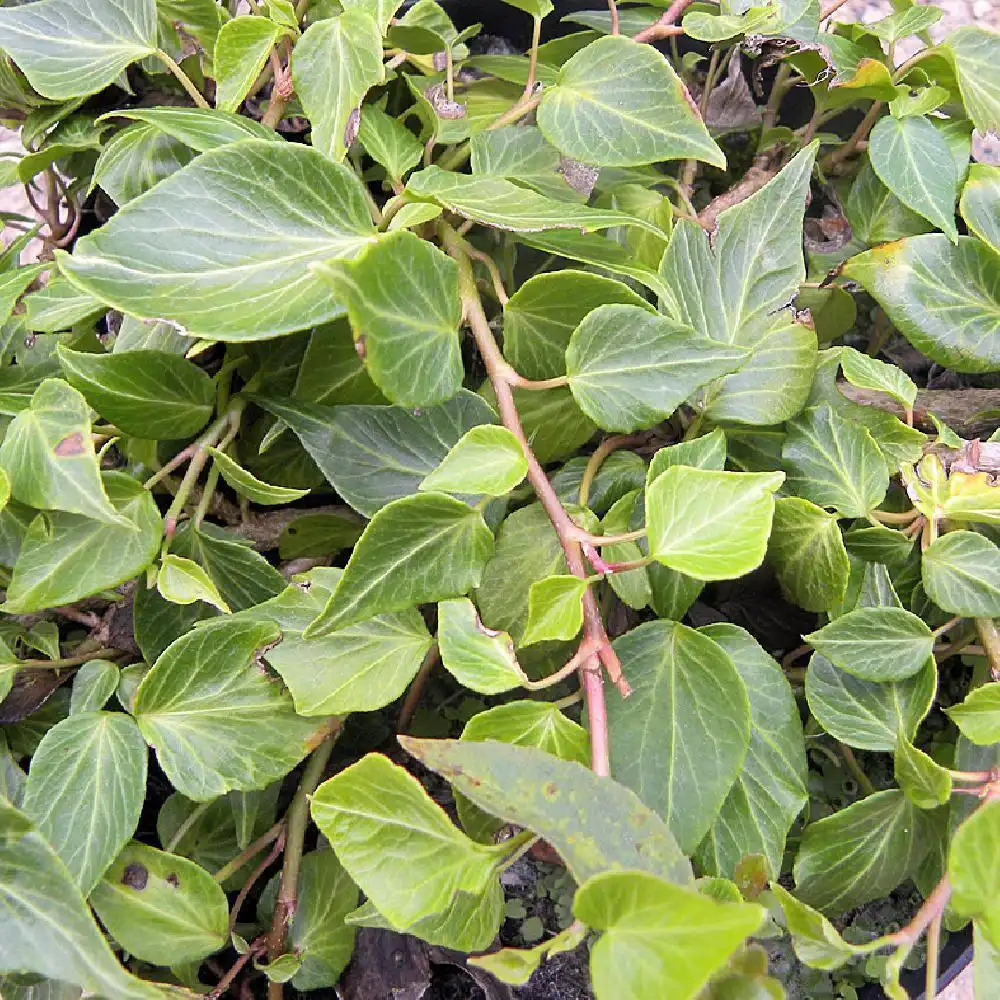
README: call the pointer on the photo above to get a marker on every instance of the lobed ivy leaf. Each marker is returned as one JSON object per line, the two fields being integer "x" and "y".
{"x": 443, "y": 544}
{"x": 875, "y": 644}
{"x": 978, "y": 716}
{"x": 403, "y": 303}
{"x": 680, "y": 740}
{"x": 710, "y": 525}
{"x": 593, "y": 822}
{"x": 85, "y": 790}
{"x": 485, "y": 459}
{"x": 215, "y": 719}
{"x": 49, "y": 456}
{"x": 334, "y": 65}
{"x": 860, "y": 853}
{"x": 242, "y": 47}
{"x": 770, "y": 789}
{"x": 912, "y": 159}
{"x": 619, "y": 103}
{"x": 479, "y": 658}
{"x": 624, "y": 383}
{"x": 922, "y": 779}
{"x": 376, "y": 816}
{"x": 265, "y": 214}
{"x": 978, "y": 197}
{"x": 941, "y": 296}
{"x": 150, "y": 394}
{"x": 657, "y": 933}
{"x": 555, "y": 609}
{"x": 66, "y": 557}
{"x": 960, "y": 572}
{"x": 67, "y": 50}
{"x": 48, "y": 928}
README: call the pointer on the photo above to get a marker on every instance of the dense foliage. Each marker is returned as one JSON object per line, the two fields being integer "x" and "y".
{"x": 367, "y": 358}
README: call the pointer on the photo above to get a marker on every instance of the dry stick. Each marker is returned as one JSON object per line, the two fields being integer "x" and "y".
{"x": 417, "y": 688}
{"x": 252, "y": 850}
{"x": 666, "y": 25}
{"x": 501, "y": 376}
{"x": 272, "y": 856}
{"x": 844, "y": 152}
{"x": 297, "y": 819}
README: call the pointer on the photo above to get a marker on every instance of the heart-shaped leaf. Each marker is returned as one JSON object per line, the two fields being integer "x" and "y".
{"x": 485, "y": 459}
{"x": 978, "y": 716}
{"x": 960, "y": 572}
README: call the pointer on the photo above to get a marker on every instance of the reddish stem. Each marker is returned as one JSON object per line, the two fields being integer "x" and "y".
{"x": 667, "y": 24}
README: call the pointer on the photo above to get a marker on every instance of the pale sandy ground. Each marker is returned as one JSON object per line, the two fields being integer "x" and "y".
{"x": 956, "y": 12}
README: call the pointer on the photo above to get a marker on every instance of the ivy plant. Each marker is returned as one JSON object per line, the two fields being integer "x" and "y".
{"x": 633, "y": 389}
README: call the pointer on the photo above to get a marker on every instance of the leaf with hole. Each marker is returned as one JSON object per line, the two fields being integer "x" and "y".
{"x": 479, "y": 658}
{"x": 162, "y": 908}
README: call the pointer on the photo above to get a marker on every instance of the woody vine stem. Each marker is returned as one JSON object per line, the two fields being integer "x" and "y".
{"x": 595, "y": 645}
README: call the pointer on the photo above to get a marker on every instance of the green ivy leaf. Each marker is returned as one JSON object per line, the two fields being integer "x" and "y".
{"x": 710, "y": 525}
{"x": 67, "y": 51}
{"x": 923, "y": 780}
{"x": 912, "y": 159}
{"x": 973, "y": 52}
{"x": 978, "y": 716}
{"x": 49, "y": 456}
{"x": 373, "y": 455}
{"x": 334, "y": 65}
{"x": 656, "y": 936}
{"x": 375, "y": 814}
{"x": 248, "y": 485}
{"x": 687, "y": 691}
{"x": 443, "y": 543}
{"x": 215, "y": 719}
{"x": 149, "y": 394}
{"x": 183, "y": 581}
{"x": 162, "y": 908}
{"x": 412, "y": 352}
{"x": 834, "y": 462}
{"x": 619, "y": 103}
{"x": 770, "y": 789}
{"x": 974, "y": 867}
{"x": 706, "y": 452}
{"x": 520, "y": 154}
{"x": 300, "y": 206}
{"x": 243, "y": 577}
{"x": 85, "y": 790}
{"x": 814, "y": 938}
{"x": 868, "y": 714}
{"x": 494, "y": 201}
{"x": 808, "y": 554}
{"x": 133, "y": 161}
{"x": 540, "y": 317}
{"x": 241, "y": 49}
{"x": 860, "y": 853}
{"x": 594, "y": 823}
{"x": 631, "y": 586}
{"x": 941, "y": 296}
{"x": 389, "y": 143}
{"x": 516, "y": 966}
{"x": 555, "y": 609}
{"x": 201, "y": 129}
{"x": 479, "y": 658}
{"x": 960, "y": 572}
{"x": 978, "y": 196}
{"x": 875, "y": 644}
{"x": 870, "y": 373}
{"x": 633, "y": 382}
{"x": 359, "y": 668}
{"x": 485, "y": 460}
{"x": 95, "y": 682}
{"x": 48, "y": 929}
{"x": 65, "y": 557}
{"x": 317, "y": 934}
